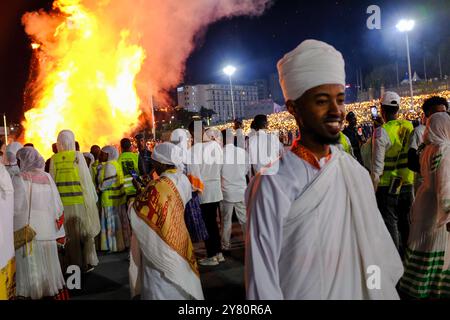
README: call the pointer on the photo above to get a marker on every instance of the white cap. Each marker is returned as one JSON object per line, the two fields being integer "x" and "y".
{"x": 311, "y": 64}
{"x": 390, "y": 98}
{"x": 167, "y": 153}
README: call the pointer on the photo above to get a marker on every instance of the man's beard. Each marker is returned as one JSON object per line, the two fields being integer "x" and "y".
{"x": 327, "y": 140}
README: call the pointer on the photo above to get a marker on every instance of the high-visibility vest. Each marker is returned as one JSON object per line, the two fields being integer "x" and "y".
{"x": 345, "y": 145}
{"x": 396, "y": 158}
{"x": 67, "y": 178}
{"x": 129, "y": 161}
{"x": 115, "y": 195}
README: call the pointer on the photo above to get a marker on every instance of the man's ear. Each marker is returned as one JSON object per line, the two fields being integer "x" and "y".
{"x": 291, "y": 107}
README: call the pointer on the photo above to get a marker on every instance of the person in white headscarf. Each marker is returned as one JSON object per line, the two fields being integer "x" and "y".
{"x": 37, "y": 203}
{"x": 314, "y": 230}
{"x": 427, "y": 272}
{"x": 163, "y": 264}
{"x": 9, "y": 158}
{"x": 193, "y": 213}
{"x": 7, "y": 260}
{"x": 115, "y": 233}
{"x": 72, "y": 177}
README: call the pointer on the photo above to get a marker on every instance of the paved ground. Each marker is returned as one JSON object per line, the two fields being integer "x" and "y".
{"x": 109, "y": 281}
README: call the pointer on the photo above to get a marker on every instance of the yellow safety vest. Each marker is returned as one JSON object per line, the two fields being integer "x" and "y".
{"x": 343, "y": 141}
{"x": 115, "y": 195}
{"x": 396, "y": 158}
{"x": 129, "y": 161}
{"x": 67, "y": 178}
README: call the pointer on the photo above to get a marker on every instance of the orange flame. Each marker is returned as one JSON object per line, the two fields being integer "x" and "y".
{"x": 86, "y": 80}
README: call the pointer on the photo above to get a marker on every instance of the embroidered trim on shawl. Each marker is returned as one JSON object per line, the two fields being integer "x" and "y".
{"x": 8, "y": 280}
{"x": 303, "y": 153}
{"x": 161, "y": 208}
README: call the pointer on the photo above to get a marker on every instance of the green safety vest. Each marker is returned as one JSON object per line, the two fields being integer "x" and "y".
{"x": 67, "y": 178}
{"x": 115, "y": 194}
{"x": 129, "y": 161}
{"x": 343, "y": 141}
{"x": 399, "y": 132}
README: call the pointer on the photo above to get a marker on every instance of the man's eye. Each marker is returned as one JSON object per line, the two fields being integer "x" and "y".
{"x": 322, "y": 102}
{"x": 340, "y": 101}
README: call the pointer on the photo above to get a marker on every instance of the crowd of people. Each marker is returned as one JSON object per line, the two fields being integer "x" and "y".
{"x": 319, "y": 206}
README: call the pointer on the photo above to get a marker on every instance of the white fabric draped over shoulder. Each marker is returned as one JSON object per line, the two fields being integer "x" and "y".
{"x": 6, "y": 218}
{"x": 319, "y": 234}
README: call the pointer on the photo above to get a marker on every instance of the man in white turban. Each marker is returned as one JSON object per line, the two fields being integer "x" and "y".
{"x": 314, "y": 230}
{"x": 163, "y": 264}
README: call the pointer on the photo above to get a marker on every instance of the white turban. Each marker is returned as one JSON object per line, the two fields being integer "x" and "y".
{"x": 311, "y": 64}
{"x": 213, "y": 134}
{"x": 168, "y": 153}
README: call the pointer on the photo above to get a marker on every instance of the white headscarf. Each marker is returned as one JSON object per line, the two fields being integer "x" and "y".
{"x": 180, "y": 137}
{"x": 90, "y": 156}
{"x": 66, "y": 141}
{"x": 113, "y": 153}
{"x": 213, "y": 134}
{"x": 438, "y": 129}
{"x": 311, "y": 64}
{"x": 168, "y": 153}
{"x": 30, "y": 159}
{"x": 10, "y": 153}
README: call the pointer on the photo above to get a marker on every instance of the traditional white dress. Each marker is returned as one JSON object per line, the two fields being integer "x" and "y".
{"x": 39, "y": 271}
{"x": 7, "y": 262}
{"x": 82, "y": 221}
{"x": 315, "y": 233}
{"x": 157, "y": 272}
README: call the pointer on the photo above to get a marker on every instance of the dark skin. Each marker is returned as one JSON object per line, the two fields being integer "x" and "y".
{"x": 319, "y": 113}
{"x": 141, "y": 144}
{"x": 95, "y": 150}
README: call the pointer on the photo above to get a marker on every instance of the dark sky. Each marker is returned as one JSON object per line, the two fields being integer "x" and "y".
{"x": 254, "y": 45}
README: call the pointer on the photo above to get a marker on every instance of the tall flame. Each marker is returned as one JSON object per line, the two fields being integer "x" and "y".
{"x": 93, "y": 59}
{"x": 86, "y": 81}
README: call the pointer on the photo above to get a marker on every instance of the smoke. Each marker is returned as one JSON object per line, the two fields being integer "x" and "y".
{"x": 166, "y": 29}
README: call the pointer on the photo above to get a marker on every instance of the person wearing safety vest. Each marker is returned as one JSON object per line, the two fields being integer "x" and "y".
{"x": 115, "y": 227}
{"x": 129, "y": 162}
{"x": 392, "y": 179}
{"x": 71, "y": 174}
{"x": 345, "y": 144}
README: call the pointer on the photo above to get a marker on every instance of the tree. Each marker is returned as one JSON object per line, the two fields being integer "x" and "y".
{"x": 206, "y": 114}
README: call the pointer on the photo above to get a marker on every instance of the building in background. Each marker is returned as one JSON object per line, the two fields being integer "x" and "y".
{"x": 275, "y": 92}
{"x": 263, "y": 88}
{"x": 262, "y": 107}
{"x": 217, "y": 97}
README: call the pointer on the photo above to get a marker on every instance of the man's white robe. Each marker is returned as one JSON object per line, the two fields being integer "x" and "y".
{"x": 315, "y": 234}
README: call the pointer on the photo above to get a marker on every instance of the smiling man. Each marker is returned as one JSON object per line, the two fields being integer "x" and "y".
{"x": 314, "y": 230}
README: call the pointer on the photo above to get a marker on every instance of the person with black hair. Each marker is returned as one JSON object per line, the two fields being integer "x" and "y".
{"x": 129, "y": 161}
{"x": 145, "y": 155}
{"x": 430, "y": 106}
{"x": 351, "y": 131}
{"x": 263, "y": 147}
{"x": 392, "y": 180}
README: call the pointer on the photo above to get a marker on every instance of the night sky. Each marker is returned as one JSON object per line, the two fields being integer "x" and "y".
{"x": 255, "y": 44}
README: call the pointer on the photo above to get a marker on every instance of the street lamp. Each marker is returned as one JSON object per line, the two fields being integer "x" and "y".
{"x": 406, "y": 26}
{"x": 229, "y": 71}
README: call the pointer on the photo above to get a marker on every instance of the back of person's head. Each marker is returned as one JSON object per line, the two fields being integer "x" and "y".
{"x": 252, "y": 125}
{"x": 125, "y": 144}
{"x": 430, "y": 105}
{"x": 192, "y": 126}
{"x": 390, "y": 103}
{"x": 54, "y": 148}
{"x": 29, "y": 145}
{"x": 77, "y": 146}
{"x": 260, "y": 122}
